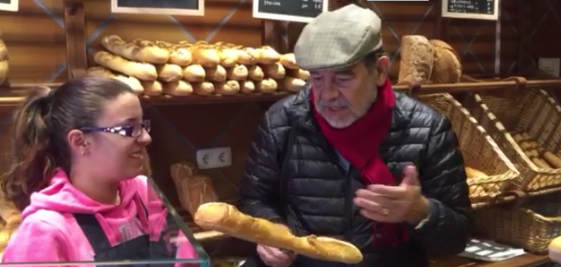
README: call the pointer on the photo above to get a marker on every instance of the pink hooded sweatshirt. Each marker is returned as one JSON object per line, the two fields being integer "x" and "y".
{"x": 49, "y": 232}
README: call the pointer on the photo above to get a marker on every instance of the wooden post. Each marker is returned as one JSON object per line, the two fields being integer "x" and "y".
{"x": 75, "y": 30}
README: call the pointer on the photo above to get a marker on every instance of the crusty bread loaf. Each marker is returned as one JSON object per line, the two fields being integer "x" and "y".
{"x": 289, "y": 61}
{"x": 268, "y": 55}
{"x": 178, "y": 54}
{"x": 447, "y": 67}
{"x": 216, "y": 74}
{"x": 226, "y": 218}
{"x": 255, "y": 73}
{"x": 138, "y": 50}
{"x": 472, "y": 173}
{"x": 275, "y": 71}
{"x": 152, "y": 88}
{"x": 417, "y": 59}
{"x": 266, "y": 86}
{"x": 205, "y": 55}
{"x": 169, "y": 72}
{"x": 203, "y": 88}
{"x": 132, "y": 82}
{"x": 292, "y": 84}
{"x": 247, "y": 87}
{"x": 230, "y": 87}
{"x": 142, "y": 71}
{"x": 4, "y": 66}
{"x": 194, "y": 73}
{"x": 178, "y": 88}
{"x": 238, "y": 72}
{"x": 193, "y": 189}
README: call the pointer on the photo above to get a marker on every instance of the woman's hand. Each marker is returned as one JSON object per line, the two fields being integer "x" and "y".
{"x": 274, "y": 257}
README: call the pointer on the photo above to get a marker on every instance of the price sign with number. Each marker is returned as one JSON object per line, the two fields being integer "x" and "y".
{"x": 289, "y": 10}
{"x": 159, "y": 7}
{"x": 9, "y": 5}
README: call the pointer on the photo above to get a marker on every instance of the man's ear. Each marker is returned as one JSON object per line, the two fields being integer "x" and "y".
{"x": 382, "y": 69}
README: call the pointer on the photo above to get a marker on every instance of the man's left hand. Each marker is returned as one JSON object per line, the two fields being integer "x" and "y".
{"x": 394, "y": 204}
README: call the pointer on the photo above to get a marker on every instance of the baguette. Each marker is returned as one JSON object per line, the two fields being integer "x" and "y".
{"x": 299, "y": 73}
{"x": 216, "y": 74}
{"x": 268, "y": 55}
{"x": 152, "y": 88}
{"x": 138, "y": 50}
{"x": 255, "y": 73}
{"x": 472, "y": 173}
{"x": 178, "y": 54}
{"x": 194, "y": 73}
{"x": 226, "y": 218}
{"x": 132, "y": 82}
{"x": 178, "y": 88}
{"x": 552, "y": 159}
{"x": 4, "y": 66}
{"x": 238, "y": 73}
{"x": 247, "y": 87}
{"x": 205, "y": 55}
{"x": 227, "y": 88}
{"x": 289, "y": 61}
{"x": 142, "y": 71}
{"x": 275, "y": 71}
{"x": 169, "y": 72}
{"x": 292, "y": 84}
{"x": 203, "y": 88}
{"x": 266, "y": 86}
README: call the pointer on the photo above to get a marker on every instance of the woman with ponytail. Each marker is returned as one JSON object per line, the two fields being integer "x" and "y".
{"x": 78, "y": 159}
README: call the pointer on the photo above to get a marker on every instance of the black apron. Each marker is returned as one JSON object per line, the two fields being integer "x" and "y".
{"x": 139, "y": 248}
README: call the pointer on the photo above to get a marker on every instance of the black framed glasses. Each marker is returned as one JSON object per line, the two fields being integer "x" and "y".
{"x": 133, "y": 130}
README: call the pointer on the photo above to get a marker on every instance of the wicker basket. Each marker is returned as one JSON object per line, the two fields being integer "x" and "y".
{"x": 531, "y": 226}
{"x": 532, "y": 111}
{"x": 478, "y": 148}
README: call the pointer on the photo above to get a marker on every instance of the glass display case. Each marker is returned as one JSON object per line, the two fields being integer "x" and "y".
{"x": 168, "y": 242}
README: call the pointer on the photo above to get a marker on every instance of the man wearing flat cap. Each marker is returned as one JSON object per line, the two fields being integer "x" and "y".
{"x": 350, "y": 158}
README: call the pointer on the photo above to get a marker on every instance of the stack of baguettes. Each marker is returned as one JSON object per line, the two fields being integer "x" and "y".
{"x": 155, "y": 68}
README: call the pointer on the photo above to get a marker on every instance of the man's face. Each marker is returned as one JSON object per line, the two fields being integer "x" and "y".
{"x": 345, "y": 95}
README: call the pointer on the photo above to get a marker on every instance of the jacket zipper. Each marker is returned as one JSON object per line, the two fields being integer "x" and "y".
{"x": 349, "y": 206}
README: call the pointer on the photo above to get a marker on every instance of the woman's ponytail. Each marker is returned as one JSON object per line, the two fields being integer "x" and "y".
{"x": 32, "y": 160}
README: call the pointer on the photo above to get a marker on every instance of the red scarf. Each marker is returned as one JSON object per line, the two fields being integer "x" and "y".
{"x": 359, "y": 144}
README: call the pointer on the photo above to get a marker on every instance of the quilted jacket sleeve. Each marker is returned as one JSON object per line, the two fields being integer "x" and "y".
{"x": 443, "y": 180}
{"x": 259, "y": 194}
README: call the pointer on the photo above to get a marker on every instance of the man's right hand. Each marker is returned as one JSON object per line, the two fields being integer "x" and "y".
{"x": 274, "y": 257}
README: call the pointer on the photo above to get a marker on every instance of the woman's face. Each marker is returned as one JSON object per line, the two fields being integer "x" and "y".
{"x": 113, "y": 155}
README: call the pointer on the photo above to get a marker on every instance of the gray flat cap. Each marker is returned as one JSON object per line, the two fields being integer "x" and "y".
{"x": 338, "y": 38}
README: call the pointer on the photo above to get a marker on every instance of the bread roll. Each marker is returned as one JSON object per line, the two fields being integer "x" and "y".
{"x": 226, "y": 218}
{"x": 203, "y": 88}
{"x": 230, "y": 87}
{"x": 255, "y": 73}
{"x": 417, "y": 59}
{"x": 446, "y": 67}
{"x": 142, "y": 71}
{"x": 268, "y": 55}
{"x": 169, "y": 72}
{"x": 138, "y": 50}
{"x": 289, "y": 61}
{"x": 4, "y": 66}
{"x": 152, "y": 88}
{"x": 238, "y": 73}
{"x": 266, "y": 86}
{"x": 132, "y": 82}
{"x": 178, "y": 88}
{"x": 247, "y": 87}
{"x": 292, "y": 84}
{"x": 216, "y": 74}
{"x": 275, "y": 71}
{"x": 194, "y": 73}
{"x": 178, "y": 54}
{"x": 228, "y": 57}
{"x": 205, "y": 55}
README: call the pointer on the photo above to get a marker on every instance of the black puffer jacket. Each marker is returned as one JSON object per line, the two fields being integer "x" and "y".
{"x": 319, "y": 192}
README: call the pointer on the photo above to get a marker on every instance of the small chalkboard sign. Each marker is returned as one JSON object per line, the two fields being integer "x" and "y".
{"x": 159, "y": 7}
{"x": 289, "y": 10}
{"x": 471, "y": 9}
{"x": 9, "y": 5}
